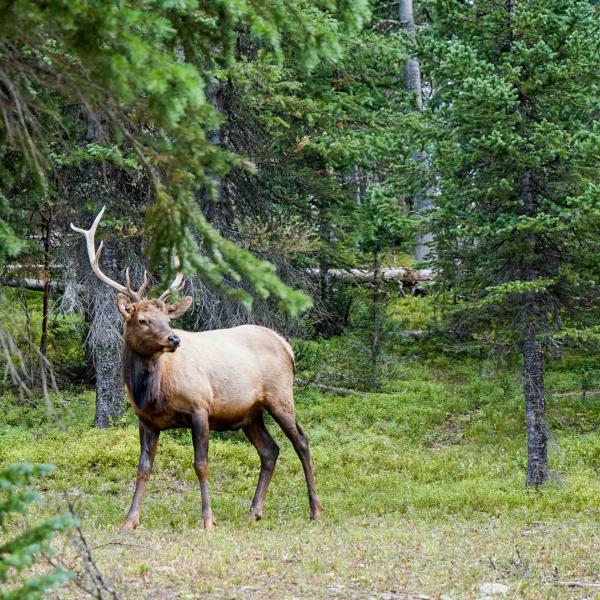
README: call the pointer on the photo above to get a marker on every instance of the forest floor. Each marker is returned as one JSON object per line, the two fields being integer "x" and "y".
{"x": 423, "y": 489}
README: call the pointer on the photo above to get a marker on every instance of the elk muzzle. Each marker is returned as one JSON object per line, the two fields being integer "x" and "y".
{"x": 174, "y": 341}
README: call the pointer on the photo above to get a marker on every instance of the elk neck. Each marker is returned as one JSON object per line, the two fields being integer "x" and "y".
{"x": 142, "y": 376}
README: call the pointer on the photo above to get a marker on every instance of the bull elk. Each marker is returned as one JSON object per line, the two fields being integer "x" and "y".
{"x": 222, "y": 380}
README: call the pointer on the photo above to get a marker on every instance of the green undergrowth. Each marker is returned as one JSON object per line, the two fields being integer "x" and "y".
{"x": 445, "y": 440}
{"x": 423, "y": 489}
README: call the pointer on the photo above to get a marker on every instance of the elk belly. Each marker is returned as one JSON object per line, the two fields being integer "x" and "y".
{"x": 234, "y": 410}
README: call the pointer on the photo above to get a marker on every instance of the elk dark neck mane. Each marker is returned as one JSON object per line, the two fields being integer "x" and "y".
{"x": 142, "y": 376}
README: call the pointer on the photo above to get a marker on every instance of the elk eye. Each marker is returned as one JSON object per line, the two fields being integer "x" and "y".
{"x": 142, "y": 322}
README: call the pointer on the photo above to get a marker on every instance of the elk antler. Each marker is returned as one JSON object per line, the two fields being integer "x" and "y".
{"x": 176, "y": 284}
{"x": 94, "y": 258}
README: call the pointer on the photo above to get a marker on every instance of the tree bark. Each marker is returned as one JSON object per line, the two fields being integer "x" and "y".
{"x": 412, "y": 69}
{"x": 324, "y": 258}
{"x": 375, "y": 331}
{"x": 105, "y": 339}
{"x": 533, "y": 357}
{"x": 46, "y": 230}
{"x": 328, "y": 324}
{"x": 218, "y": 208}
{"x": 535, "y": 412}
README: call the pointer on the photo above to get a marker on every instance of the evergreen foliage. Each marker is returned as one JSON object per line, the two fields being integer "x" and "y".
{"x": 141, "y": 70}
{"x": 332, "y": 138}
{"x": 516, "y": 96}
{"x": 514, "y": 141}
{"x": 19, "y": 553}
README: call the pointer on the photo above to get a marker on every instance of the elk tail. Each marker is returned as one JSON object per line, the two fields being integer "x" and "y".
{"x": 289, "y": 350}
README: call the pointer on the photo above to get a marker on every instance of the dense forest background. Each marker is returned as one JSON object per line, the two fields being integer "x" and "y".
{"x": 381, "y": 182}
{"x": 296, "y": 156}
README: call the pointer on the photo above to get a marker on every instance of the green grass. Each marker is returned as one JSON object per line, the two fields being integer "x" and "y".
{"x": 422, "y": 487}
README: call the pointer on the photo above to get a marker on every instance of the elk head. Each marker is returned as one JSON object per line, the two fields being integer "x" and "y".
{"x": 147, "y": 322}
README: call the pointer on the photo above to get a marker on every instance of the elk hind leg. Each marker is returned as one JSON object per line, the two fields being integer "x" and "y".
{"x": 286, "y": 419}
{"x": 268, "y": 451}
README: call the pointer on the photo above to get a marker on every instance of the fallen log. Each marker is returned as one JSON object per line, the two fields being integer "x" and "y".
{"x": 26, "y": 283}
{"x": 29, "y": 267}
{"x": 338, "y": 391}
{"x": 404, "y": 275}
{"x": 411, "y": 333}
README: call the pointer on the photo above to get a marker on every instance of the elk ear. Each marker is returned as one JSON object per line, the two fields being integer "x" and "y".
{"x": 125, "y": 306}
{"x": 179, "y": 308}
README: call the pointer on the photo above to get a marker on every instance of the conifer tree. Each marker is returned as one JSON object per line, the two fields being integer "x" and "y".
{"x": 514, "y": 145}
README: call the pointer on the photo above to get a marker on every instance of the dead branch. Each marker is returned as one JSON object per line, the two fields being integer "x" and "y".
{"x": 21, "y": 372}
{"x": 91, "y": 579}
{"x": 574, "y": 584}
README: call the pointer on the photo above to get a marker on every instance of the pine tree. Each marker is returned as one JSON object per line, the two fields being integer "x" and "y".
{"x": 514, "y": 144}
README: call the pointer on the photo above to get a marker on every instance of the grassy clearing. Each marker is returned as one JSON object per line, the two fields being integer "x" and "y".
{"x": 422, "y": 487}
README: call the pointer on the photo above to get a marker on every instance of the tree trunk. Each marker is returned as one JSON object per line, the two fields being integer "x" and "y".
{"x": 218, "y": 207}
{"x": 412, "y": 69}
{"x": 46, "y": 230}
{"x": 533, "y": 358}
{"x": 375, "y": 331}
{"x": 412, "y": 76}
{"x": 423, "y": 239}
{"x": 535, "y": 412}
{"x": 105, "y": 340}
{"x": 327, "y": 324}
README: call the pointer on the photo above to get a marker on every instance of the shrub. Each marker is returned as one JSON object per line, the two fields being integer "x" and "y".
{"x": 20, "y": 552}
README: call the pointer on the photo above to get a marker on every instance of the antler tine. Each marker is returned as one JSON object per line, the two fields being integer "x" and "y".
{"x": 144, "y": 284}
{"x": 140, "y": 293}
{"x": 94, "y": 257}
{"x": 177, "y": 283}
{"x": 98, "y": 252}
{"x": 128, "y": 282}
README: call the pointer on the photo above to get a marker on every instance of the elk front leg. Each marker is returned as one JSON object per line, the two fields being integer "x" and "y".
{"x": 148, "y": 444}
{"x": 200, "y": 431}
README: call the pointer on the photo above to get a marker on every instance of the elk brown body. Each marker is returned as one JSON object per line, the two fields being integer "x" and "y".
{"x": 222, "y": 380}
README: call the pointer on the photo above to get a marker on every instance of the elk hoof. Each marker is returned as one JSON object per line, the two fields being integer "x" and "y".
{"x": 254, "y": 515}
{"x": 130, "y": 525}
{"x": 316, "y": 511}
{"x": 208, "y": 523}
